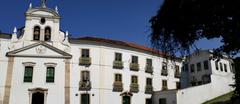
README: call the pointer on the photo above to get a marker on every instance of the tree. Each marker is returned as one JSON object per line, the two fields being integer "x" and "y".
{"x": 180, "y": 23}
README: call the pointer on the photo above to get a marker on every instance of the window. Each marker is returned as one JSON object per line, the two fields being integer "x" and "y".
{"x": 205, "y": 64}
{"x": 43, "y": 21}
{"x": 118, "y": 57}
{"x": 118, "y": 85}
{"x": 149, "y": 67}
{"x": 134, "y": 79}
{"x": 149, "y": 62}
{"x": 225, "y": 67}
{"x": 28, "y": 74}
{"x": 85, "y": 83}
{"x": 164, "y": 83}
{"x": 117, "y": 63}
{"x": 199, "y": 82}
{"x": 149, "y": 81}
{"x": 50, "y": 74}
{"x": 177, "y": 72}
{"x": 192, "y": 68}
{"x": 216, "y": 65}
{"x": 164, "y": 66}
{"x": 162, "y": 101}
{"x": 118, "y": 78}
{"x": 134, "y": 59}
{"x": 177, "y": 69}
{"x": 199, "y": 66}
{"x": 85, "y": 53}
{"x": 186, "y": 67}
{"x": 85, "y": 76}
{"x": 177, "y": 85}
{"x": 47, "y": 36}
{"x": 36, "y": 33}
{"x": 148, "y": 101}
{"x": 231, "y": 67}
{"x": 221, "y": 66}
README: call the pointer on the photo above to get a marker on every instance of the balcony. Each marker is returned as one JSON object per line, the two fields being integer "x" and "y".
{"x": 164, "y": 88}
{"x": 117, "y": 64}
{"x": 149, "y": 69}
{"x": 134, "y": 87}
{"x": 85, "y": 85}
{"x": 177, "y": 75}
{"x": 118, "y": 86}
{"x": 149, "y": 89}
{"x": 85, "y": 61}
{"x": 134, "y": 66}
{"x": 164, "y": 72}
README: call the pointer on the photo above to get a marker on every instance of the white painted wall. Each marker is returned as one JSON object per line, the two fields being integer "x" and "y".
{"x": 101, "y": 69}
{"x": 102, "y": 73}
{"x": 219, "y": 85}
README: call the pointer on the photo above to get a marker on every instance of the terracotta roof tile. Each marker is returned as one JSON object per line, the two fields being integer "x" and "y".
{"x": 121, "y": 43}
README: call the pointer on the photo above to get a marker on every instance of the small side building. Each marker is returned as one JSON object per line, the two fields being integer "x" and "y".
{"x": 203, "y": 77}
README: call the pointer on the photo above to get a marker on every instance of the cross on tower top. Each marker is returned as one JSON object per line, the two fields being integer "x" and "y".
{"x": 43, "y": 3}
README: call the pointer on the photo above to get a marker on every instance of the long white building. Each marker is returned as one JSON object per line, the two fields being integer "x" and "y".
{"x": 40, "y": 64}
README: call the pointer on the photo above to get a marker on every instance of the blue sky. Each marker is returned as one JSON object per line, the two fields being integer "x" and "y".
{"x": 125, "y": 20}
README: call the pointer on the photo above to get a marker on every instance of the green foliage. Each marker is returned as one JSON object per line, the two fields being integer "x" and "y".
{"x": 237, "y": 78}
{"x": 180, "y": 23}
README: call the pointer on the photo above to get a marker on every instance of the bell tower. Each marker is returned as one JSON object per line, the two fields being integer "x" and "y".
{"x": 42, "y": 24}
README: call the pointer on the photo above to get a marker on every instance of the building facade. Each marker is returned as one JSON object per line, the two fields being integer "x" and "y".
{"x": 40, "y": 64}
{"x": 204, "y": 77}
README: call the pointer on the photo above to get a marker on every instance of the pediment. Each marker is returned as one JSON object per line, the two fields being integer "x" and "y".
{"x": 40, "y": 50}
{"x": 42, "y": 12}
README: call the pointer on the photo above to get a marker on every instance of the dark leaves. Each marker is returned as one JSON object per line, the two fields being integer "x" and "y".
{"x": 180, "y": 23}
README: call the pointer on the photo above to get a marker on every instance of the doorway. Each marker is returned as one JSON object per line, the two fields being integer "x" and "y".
{"x": 38, "y": 98}
{"x": 126, "y": 100}
{"x": 85, "y": 99}
{"x": 148, "y": 101}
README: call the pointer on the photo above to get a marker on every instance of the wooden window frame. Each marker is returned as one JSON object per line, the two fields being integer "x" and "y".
{"x": 206, "y": 64}
{"x": 199, "y": 66}
{"x": 192, "y": 68}
{"x": 25, "y": 78}
{"x": 85, "y": 53}
{"x": 50, "y": 79}
{"x": 118, "y": 56}
{"x": 135, "y": 59}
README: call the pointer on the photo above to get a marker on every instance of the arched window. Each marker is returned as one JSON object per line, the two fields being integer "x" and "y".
{"x": 47, "y": 36}
{"x": 36, "y": 33}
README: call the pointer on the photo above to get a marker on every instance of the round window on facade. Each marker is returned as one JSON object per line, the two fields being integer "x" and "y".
{"x": 43, "y": 21}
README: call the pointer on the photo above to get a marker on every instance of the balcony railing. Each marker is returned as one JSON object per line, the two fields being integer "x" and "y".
{"x": 164, "y": 72}
{"x": 164, "y": 88}
{"x": 177, "y": 75}
{"x": 149, "y": 69}
{"x": 149, "y": 89}
{"x": 85, "y": 61}
{"x": 118, "y": 86}
{"x": 134, "y": 66}
{"x": 134, "y": 87}
{"x": 118, "y": 64}
{"x": 85, "y": 85}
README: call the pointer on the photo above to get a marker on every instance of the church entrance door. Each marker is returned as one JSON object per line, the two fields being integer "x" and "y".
{"x": 38, "y": 98}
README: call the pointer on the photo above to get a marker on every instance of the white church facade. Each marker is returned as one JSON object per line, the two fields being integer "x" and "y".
{"x": 40, "y": 64}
